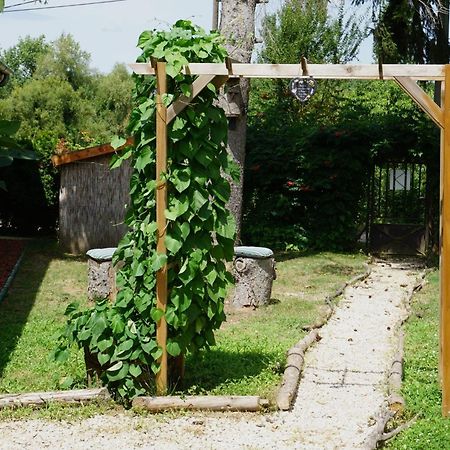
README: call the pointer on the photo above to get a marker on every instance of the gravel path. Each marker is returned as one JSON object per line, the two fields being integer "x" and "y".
{"x": 342, "y": 391}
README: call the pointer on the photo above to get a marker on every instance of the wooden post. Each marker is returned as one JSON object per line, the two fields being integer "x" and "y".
{"x": 445, "y": 250}
{"x": 161, "y": 205}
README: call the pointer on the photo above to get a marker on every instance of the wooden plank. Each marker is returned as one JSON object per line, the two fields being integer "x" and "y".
{"x": 161, "y": 205}
{"x": 86, "y": 153}
{"x": 422, "y": 99}
{"x": 201, "y": 402}
{"x": 445, "y": 254}
{"x": 43, "y": 398}
{"x": 197, "y": 86}
{"x": 318, "y": 71}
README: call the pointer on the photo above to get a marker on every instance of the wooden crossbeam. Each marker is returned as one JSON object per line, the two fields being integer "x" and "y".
{"x": 422, "y": 99}
{"x": 318, "y": 71}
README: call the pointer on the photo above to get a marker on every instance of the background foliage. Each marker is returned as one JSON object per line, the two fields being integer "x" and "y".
{"x": 307, "y": 167}
{"x": 62, "y": 105}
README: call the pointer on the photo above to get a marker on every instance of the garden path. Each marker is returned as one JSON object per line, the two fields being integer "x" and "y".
{"x": 342, "y": 392}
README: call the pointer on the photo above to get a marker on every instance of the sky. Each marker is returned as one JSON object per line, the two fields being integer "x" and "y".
{"x": 109, "y": 32}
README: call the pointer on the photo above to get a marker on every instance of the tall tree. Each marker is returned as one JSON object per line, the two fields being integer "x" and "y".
{"x": 23, "y": 58}
{"x": 67, "y": 61}
{"x": 410, "y": 30}
{"x": 237, "y": 24}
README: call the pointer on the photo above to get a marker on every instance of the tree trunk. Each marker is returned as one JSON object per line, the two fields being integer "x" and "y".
{"x": 237, "y": 25}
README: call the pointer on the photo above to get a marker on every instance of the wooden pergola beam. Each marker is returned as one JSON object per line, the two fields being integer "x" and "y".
{"x": 318, "y": 71}
{"x": 404, "y": 75}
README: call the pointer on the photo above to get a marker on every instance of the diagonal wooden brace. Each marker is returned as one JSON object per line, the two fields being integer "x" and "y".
{"x": 197, "y": 86}
{"x": 422, "y": 99}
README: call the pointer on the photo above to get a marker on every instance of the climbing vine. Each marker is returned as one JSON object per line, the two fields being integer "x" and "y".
{"x": 200, "y": 231}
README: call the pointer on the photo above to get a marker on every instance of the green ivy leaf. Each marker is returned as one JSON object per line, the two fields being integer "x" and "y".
{"x": 103, "y": 358}
{"x": 120, "y": 374}
{"x": 135, "y": 370}
{"x": 159, "y": 262}
{"x": 173, "y": 348}
{"x": 117, "y": 142}
{"x": 104, "y": 344}
{"x": 117, "y": 366}
{"x": 172, "y": 244}
{"x": 156, "y": 314}
{"x": 186, "y": 89}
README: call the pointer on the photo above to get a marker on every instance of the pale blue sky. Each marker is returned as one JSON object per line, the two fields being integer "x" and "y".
{"x": 109, "y": 32}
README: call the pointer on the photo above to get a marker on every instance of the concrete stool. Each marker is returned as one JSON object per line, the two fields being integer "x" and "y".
{"x": 254, "y": 272}
{"x": 101, "y": 274}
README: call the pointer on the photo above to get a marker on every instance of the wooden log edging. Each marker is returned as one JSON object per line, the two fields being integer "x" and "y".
{"x": 43, "y": 398}
{"x": 395, "y": 402}
{"x": 296, "y": 354}
{"x": 329, "y": 298}
{"x": 294, "y": 366}
{"x": 201, "y": 402}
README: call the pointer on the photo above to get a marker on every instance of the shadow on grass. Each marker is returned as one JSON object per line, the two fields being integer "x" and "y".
{"x": 210, "y": 369}
{"x": 20, "y": 299}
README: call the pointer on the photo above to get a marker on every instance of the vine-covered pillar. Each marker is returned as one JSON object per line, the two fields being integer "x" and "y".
{"x": 161, "y": 206}
{"x": 445, "y": 250}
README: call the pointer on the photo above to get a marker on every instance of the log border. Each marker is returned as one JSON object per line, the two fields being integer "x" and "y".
{"x": 395, "y": 402}
{"x": 296, "y": 354}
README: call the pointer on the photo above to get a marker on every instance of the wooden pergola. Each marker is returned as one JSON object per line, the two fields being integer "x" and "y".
{"x": 406, "y": 76}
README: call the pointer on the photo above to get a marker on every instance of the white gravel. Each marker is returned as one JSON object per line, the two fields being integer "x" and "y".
{"x": 343, "y": 389}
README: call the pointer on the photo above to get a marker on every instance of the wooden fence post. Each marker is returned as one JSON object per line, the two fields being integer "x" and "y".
{"x": 161, "y": 205}
{"x": 445, "y": 251}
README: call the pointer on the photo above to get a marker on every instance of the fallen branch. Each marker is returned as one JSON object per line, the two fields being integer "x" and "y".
{"x": 43, "y": 398}
{"x": 205, "y": 402}
{"x": 294, "y": 366}
{"x": 386, "y": 436}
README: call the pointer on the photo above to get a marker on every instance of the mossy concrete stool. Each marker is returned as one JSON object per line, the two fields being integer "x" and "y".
{"x": 101, "y": 274}
{"x": 254, "y": 272}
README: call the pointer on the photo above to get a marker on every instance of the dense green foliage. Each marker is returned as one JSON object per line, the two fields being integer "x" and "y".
{"x": 308, "y": 166}
{"x": 62, "y": 105}
{"x": 199, "y": 235}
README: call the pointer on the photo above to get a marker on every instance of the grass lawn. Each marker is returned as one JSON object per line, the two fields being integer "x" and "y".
{"x": 250, "y": 352}
{"x": 420, "y": 386}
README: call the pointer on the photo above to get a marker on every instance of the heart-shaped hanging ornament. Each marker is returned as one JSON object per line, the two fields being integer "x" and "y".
{"x": 302, "y": 88}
